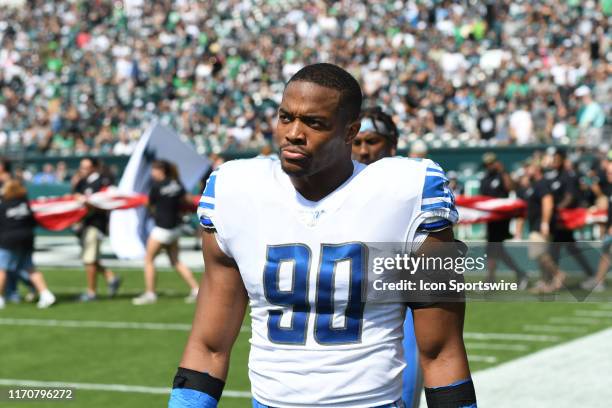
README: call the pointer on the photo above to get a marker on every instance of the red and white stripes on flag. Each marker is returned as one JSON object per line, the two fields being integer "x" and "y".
{"x": 59, "y": 213}
{"x": 479, "y": 209}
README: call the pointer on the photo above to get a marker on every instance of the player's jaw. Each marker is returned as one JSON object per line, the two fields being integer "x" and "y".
{"x": 295, "y": 160}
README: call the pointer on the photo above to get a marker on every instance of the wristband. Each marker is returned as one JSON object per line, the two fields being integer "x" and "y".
{"x": 193, "y": 389}
{"x": 459, "y": 394}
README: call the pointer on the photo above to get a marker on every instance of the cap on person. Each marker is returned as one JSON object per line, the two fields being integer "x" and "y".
{"x": 418, "y": 149}
{"x": 489, "y": 157}
{"x": 582, "y": 91}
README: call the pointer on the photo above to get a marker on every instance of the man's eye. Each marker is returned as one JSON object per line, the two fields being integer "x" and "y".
{"x": 284, "y": 118}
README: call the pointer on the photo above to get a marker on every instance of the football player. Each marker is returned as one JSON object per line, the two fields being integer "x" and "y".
{"x": 277, "y": 230}
{"x": 377, "y": 139}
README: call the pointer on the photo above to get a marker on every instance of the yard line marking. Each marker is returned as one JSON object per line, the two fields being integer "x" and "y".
{"x": 510, "y": 336}
{"x": 578, "y": 320}
{"x": 94, "y": 324}
{"x": 553, "y": 329}
{"x": 497, "y": 346}
{"x": 107, "y": 387}
{"x": 605, "y": 306}
{"x": 593, "y": 313}
{"x": 482, "y": 359}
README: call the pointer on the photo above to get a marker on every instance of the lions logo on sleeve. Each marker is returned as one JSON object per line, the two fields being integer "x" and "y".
{"x": 438, "y": 202}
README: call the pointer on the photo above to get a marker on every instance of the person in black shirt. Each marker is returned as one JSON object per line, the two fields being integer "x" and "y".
{"x": 486, "y": 121}
{"x": 167, "y": 199}
{"x": 92, "y": 228}
{"x": 497, "y": 183}
{"x": 598, "y": 282}
{"x": 540, "y": 210}
{"x": 17, "y": 224}
{"x": 564, "y": 186}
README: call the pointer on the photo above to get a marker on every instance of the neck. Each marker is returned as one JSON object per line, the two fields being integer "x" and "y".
{"x": 317, "y": 186}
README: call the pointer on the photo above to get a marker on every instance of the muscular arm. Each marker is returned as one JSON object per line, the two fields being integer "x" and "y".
{"x": 547, "y": 212}
{"x": 439, "y": 332}
{"x": 220, "y": 309}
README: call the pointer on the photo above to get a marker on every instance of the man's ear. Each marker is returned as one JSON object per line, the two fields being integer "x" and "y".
{"x": 352, "y": 131}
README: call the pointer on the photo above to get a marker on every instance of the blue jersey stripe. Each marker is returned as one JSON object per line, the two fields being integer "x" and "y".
{"x": 436, "y": 169}
{"x": 441, "y": 205}
{"x": 203, "y": 204}
{"x": 434, "y": 186}
{"x": 209, "y": 191}
{"x": 435, "y": 225}
{"x": 206, "y": 221}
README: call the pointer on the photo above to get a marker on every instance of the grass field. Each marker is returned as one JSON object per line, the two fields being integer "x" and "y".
{"x": 111, "y": 342}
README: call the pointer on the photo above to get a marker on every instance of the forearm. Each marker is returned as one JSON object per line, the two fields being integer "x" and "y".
{"x": 200, "y": 357}
{"x": 547, "y": 209}
{"x": 445, "y": 366}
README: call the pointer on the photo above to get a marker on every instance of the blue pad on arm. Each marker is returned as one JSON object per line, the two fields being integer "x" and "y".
{"x": 188, "y": 398}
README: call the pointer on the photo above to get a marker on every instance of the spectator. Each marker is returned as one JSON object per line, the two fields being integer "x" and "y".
{"x": 591, "y": 117}
{"x": 520, "y": 126}
{"x": 434, "y": 66}
{"x": 418, "y": 150}
{"x": 61, "y": 172}
{"x": 124, "y": 146}
{"x": 17, "y": 241}
{"x": 46, "y": 176}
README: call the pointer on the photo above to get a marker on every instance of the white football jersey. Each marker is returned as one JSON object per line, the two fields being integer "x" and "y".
{"x": 314, "y": 342}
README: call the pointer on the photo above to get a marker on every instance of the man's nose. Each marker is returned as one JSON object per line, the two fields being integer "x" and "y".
{"x": 295, "y": 133}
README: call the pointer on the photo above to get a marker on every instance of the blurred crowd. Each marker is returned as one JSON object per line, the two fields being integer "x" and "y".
{"x": 86, "y": 77}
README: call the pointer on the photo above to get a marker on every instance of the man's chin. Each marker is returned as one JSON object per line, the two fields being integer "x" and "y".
{"x": 293, "y": 169}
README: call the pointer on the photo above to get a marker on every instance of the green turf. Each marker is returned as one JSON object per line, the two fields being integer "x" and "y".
{"x": 149, "y": 357}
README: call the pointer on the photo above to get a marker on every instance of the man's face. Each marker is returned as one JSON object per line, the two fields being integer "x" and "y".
{"x": 369, "y": 147}
{"x": 609, "y": 172}
{"x": 311, "y": 131}
{"x": 86, "y": 167}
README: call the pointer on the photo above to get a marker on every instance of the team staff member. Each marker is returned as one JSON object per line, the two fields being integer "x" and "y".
{"x": 92, "y": 228}
{"x": 377, "y": 139}
{"x": 497, "y": 183}
{"x": 540, "y": 216}
{"x": 17, "y": 224}
{"x": 598, "y": 282}
{"x": 564, "y": 188}
{"x": 167, "y": 199}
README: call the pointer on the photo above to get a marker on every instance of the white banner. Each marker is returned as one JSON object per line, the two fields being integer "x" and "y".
{"x": 129, "y": 228}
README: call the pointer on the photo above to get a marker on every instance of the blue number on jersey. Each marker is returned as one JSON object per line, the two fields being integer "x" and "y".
{"x": 297, "y": 297}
